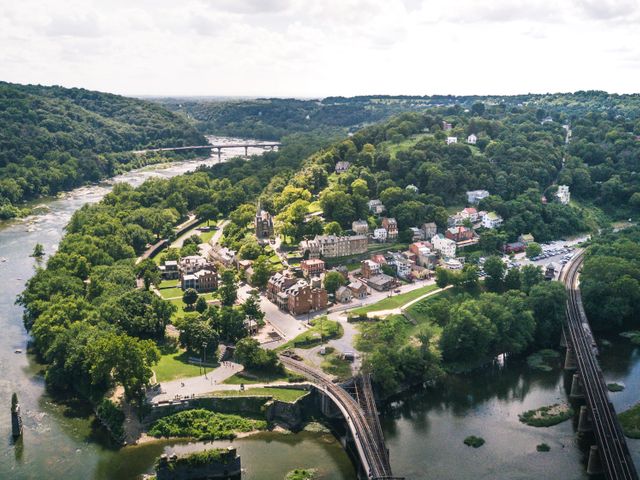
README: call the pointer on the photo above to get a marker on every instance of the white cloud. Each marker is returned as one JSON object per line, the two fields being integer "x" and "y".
{"x": 321, "y": 47}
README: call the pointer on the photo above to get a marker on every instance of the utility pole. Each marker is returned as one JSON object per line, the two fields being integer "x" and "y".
{"x": 204, "y": 364}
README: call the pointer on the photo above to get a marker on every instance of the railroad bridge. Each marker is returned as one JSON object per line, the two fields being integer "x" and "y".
{"x": 361, "y": 416}
{"x": 610, "y": 455}
{"x": 217, "y": 147}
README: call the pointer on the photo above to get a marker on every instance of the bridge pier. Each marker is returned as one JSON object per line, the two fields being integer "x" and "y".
{"x": 246, "y": 151}
{"x": 563, "y": 339}
{"x": 585, "y": 423}
{"x": 577, "y": 391}
{"x": 219, "y": 154}
{"x": 570, "y": 359}
{"x": 594, "y": 465}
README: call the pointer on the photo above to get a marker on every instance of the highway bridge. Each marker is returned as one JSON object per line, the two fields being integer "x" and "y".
{"x": 215, "y": 146}
{"x": 611, "y": 454}
{"x": 360, "y": 414}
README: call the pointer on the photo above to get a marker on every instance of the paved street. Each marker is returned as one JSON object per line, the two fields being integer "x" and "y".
{"x": 186, "y": 387}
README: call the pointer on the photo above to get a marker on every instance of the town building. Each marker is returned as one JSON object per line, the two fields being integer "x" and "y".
{"x": 360, "y": 227}
{"x": 379, "y": 258}
{"x": 474, "y": 196}
{"x": 514, "y": 247}
{"x": 344, "y": 295}
{"x": 342, "y": 167}
{"x": 169, "y": 270}
{"x": 451, "y": 140}
{"x": 391, "y": 226}
{"x": 443, "y": 245}
{"x": 294, "y": 295}
{"x": 430, "y": 229}
{"x": 446, "y": 126}
{"x": 263, "y": 224}
{"x": 358, "y": 290}
{"x": 312, "y": 267}
{"x": 491, "y": 220}
{"x": 461, "y": 235}
{"x": 192, "y": 264}
{"x": 563, "y": 194}
{"x": 401, "y": 264}
{"x": 452, "y": 263}
{"x": 380, "y": 235}
{"x": 333, "y": 246}
{"x": 369, "y": 268}
{"x": 376, "y": 206}
{"x": 416, "y": 234}
{"x": 526, "y": 238}
{"x": 381, "y": 282}
{"x": 205, "y": 280}
{"x": 472, "y": 139}
{"x": 419, "y": 273}
{"x": 223, "y": 255}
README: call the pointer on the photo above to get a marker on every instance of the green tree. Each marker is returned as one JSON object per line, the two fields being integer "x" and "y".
{"x": 249, "y": 353}
{"x": 443, "y": 277}
{"x": 252, "y": 310}
{"x": 332, "y": 281}
{"x": 262, "y": 271}
{"x": 229, "y": 290}
{"x": 207, "y": 212}
{"x": 468, "y": 334}
{"x": 148, "y": 271}
{"x": 495, "y": 269}
{"x": 548, "y": 302}
{"x": 530, "y": 275}
{"x": 190, "y": 297}
{"x": 513, "y": 279}
{"x": 533, "y": 250}
{"x": 201, "y": 305}
{"x": 38, "y": 251}
{"x": 195, "y": 333}
{"x": 332, "y": 228}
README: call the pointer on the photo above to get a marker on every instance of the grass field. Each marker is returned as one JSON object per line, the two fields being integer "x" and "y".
{"x": 321, "y": 330}
{"x": 282, "y": 394}
{"x": 334, "y": 364}
{"x": 174, "y": 365}
{"x": 256, "y": 377}
{"x": 396, "y": 301}
{"x": 171, "y": 292}
{"x": 206, "y": 236}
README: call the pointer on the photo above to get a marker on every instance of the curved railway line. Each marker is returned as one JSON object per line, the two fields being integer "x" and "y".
{"x": 373, "y": 454}
{"x": 612, "y": 446}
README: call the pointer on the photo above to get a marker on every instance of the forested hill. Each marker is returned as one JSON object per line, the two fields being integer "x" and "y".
{"x": 53, "y": 139}
{"x": 272, "y": 118}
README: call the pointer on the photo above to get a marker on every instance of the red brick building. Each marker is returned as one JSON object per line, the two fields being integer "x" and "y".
{"x": 312, "y": 267}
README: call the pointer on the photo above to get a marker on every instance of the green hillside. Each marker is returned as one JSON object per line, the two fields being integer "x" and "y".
{"x": 53, "y": 139}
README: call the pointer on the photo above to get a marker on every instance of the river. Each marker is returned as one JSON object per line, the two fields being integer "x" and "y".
{"x": 424, "y": 429}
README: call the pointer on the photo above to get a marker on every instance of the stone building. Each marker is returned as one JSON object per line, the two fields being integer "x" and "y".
{"x": 333, "y": 246}
{"x": 263, "y": 224}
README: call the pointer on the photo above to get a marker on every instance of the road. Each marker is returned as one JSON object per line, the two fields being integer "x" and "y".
{"x": 187, "y": 387}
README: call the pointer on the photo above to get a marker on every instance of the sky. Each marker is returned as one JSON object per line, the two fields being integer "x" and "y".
{"x": 316, "y": 48}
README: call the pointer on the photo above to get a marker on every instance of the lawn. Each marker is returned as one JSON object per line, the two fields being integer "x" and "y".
{"x": 206, "y": 236}
{"x": 169, "y": 284}
{"x": 321, "y": 329}
{"x": 334, "y": 364}
{"x": 282, "y": 394}
{"x": 395, "y": 301}
{"x": 407, "y": 143}
{"x": 630, "y": 421}
{"x": 249, "y": 377}
{"x": 174, "y": 365}
{"x": 171, "y": 292}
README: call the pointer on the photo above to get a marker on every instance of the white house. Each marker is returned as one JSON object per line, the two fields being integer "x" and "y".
{"x": 491, "y": 220}
{"x": 474, "y": 196}
{"x": 380, "y": 234}
{"x": 342, "y": 167}
{"x": 451, "y": 140}
{"x": 442, "y": 244}
{"x": 472, "y": 139}
{"x": 563, "y": 194}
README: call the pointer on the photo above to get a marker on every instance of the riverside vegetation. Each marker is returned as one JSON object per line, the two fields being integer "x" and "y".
{"x": 204, "y": 425}
{"x": 94, "y": 329}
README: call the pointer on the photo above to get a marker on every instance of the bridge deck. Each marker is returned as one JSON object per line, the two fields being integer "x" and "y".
{"x": 614, "y": 452}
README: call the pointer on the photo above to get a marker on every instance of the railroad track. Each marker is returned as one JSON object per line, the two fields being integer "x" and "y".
{"x": 614, "y": 452}
{"x": 373, "y": 455}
